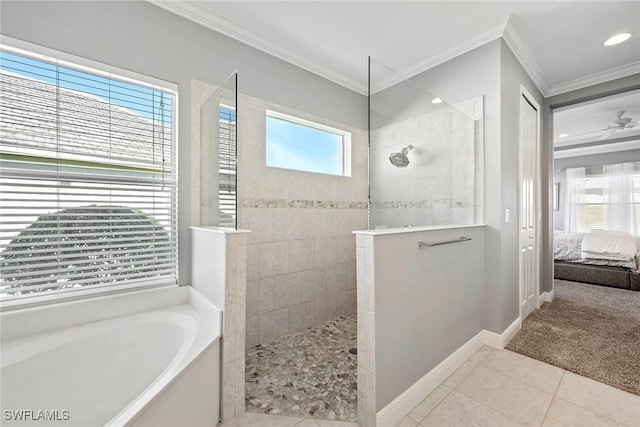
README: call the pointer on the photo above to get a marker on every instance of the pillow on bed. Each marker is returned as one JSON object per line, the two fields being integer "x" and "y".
{"x": 613, "y": 245}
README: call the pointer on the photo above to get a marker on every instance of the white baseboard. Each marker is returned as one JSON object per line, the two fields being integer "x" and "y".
{"x": 547, "y": 296}
{"x": 499, "y": 341}
{"x": 403, "y": 404}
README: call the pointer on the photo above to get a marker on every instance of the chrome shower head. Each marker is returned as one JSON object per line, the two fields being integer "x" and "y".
{"x": 400, "y": 160}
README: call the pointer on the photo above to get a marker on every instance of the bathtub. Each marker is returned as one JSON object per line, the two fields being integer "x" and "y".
{"x": 143, "y": 358}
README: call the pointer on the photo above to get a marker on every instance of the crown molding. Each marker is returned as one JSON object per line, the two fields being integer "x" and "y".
{"x": 206, "y": 17}
{"x": 490, "y": 34}
{"x": 505, "y": 28}
{"x": 594, "y": 79}
{"x": 521, "y": 50}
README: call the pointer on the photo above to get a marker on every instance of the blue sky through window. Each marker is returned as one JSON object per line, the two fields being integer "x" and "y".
{"x": 135, "y": 98}
{"x": 295, "y": 146}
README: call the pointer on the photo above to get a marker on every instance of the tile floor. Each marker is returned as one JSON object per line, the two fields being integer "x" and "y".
{"x": 252, "y": 419}
{"x": 310, "y": 373}
{"x": 502, "y": 388}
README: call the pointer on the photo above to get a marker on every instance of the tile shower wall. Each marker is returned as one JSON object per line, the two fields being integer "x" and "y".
{"x": 443, "y": 182}
{"x": 301, "y": 253}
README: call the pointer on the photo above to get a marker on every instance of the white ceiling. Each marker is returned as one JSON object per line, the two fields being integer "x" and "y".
{"x": 595, "y": 120}
{"x": 560, "y": 43}
{"x": 594, "y": 126}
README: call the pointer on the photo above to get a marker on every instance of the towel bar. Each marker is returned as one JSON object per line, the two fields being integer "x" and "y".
{"x": 426, "y": 244}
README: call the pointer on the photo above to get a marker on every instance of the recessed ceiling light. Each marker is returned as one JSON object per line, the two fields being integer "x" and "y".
{"x": 618, "y": 38}
{"x": 563, "y": 135}
{"x": 436, "y": 101}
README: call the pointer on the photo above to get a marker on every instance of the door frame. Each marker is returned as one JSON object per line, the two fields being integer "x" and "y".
{"x": 524, "y": 93}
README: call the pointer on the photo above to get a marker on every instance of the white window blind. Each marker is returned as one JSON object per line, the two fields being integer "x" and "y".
{"x": 227, "y": 191}
{"x": 87, "y": 181}
{"x": 600, "y": 199}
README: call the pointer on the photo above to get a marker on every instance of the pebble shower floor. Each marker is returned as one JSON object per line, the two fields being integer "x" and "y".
{"x": 310, "y": 373}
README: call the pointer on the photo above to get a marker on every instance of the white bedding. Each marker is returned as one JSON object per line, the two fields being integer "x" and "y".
{"x": 612, "y": 245}
{"x": 568, "y": 247}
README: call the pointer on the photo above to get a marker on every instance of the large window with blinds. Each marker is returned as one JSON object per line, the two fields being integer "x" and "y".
{"x": 87, "y": 179}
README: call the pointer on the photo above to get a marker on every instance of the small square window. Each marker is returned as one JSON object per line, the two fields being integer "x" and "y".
{"x": 294, "y": 143}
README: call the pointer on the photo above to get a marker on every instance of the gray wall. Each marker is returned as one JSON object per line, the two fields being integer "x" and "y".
{"x": 585, "y": 94}
{"x": 473, "y": 74}
{"x": 594, "y": 160}
{"x": 492, "y": 70}
{"x": 502, "y": 306}
{"x": 140, "y": 37}
{"x": 426, "y": 305}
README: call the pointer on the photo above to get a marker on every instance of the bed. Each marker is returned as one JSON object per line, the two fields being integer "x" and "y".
{"x": 600, "y": 257}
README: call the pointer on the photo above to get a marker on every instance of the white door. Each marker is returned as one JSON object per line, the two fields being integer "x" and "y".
{"x": 529, "y": 260}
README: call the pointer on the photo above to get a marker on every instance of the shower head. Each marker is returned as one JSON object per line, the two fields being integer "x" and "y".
{"x": 400, "y": 160}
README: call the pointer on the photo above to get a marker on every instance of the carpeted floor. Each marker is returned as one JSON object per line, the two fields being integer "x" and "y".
{"x": 591, "y": 330}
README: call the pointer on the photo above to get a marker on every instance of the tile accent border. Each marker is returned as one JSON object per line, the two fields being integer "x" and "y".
{"x": 432, "y": 203}
{"x": 403, "y": 404}
{"x": 301, "y": 203}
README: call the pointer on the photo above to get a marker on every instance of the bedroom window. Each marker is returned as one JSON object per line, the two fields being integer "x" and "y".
{"x": 604, "y": 198}
{"x": 298, "y": 144}
{"x": 87, "y": 178}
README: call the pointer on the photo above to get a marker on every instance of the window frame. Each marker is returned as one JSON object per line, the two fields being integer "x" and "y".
{"x": 81, "y": 64}
{"x": 344, "y": 154}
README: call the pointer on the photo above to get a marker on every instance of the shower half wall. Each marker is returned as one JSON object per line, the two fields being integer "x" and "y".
{"x": 422, "y": 260}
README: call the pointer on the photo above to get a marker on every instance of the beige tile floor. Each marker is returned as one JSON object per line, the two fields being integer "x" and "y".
{"x": 500, "y": 388}
{"x": 251, "y": 419}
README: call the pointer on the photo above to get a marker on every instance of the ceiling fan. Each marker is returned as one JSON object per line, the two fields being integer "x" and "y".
{"x": 619, "y": 124}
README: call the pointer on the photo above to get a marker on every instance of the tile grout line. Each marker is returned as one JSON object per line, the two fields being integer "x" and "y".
{"x": 588, "y": 409}
{"x": 490, "y": 408}
{"x": 519, "y": 380}
{"x": 474, "y": 368}
{"x": 435, "y": 407}
{"x": 452, "y": 388}
{"x": 552, "y": 398}
{"x": 304, "y": 419}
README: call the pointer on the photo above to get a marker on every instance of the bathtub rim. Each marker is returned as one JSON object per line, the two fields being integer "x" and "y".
{"x": 27, "y": 321}
{"x": 184, "y": 300}
{"x": 172, "y": 373}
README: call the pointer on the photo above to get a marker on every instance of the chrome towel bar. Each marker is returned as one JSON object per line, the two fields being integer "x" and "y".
{"x": 461, "y": 239}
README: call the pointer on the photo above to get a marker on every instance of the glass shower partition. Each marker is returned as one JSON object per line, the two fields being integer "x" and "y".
{"x": 425, "y": 156}
{"x": 218, "y": 153}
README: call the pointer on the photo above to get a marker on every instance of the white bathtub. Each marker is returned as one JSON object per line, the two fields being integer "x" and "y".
{"x": 155, "y": 363}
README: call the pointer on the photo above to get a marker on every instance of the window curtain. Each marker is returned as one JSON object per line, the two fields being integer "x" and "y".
{"x": 618, "y": 192}
{"x": 574, "y": 201}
